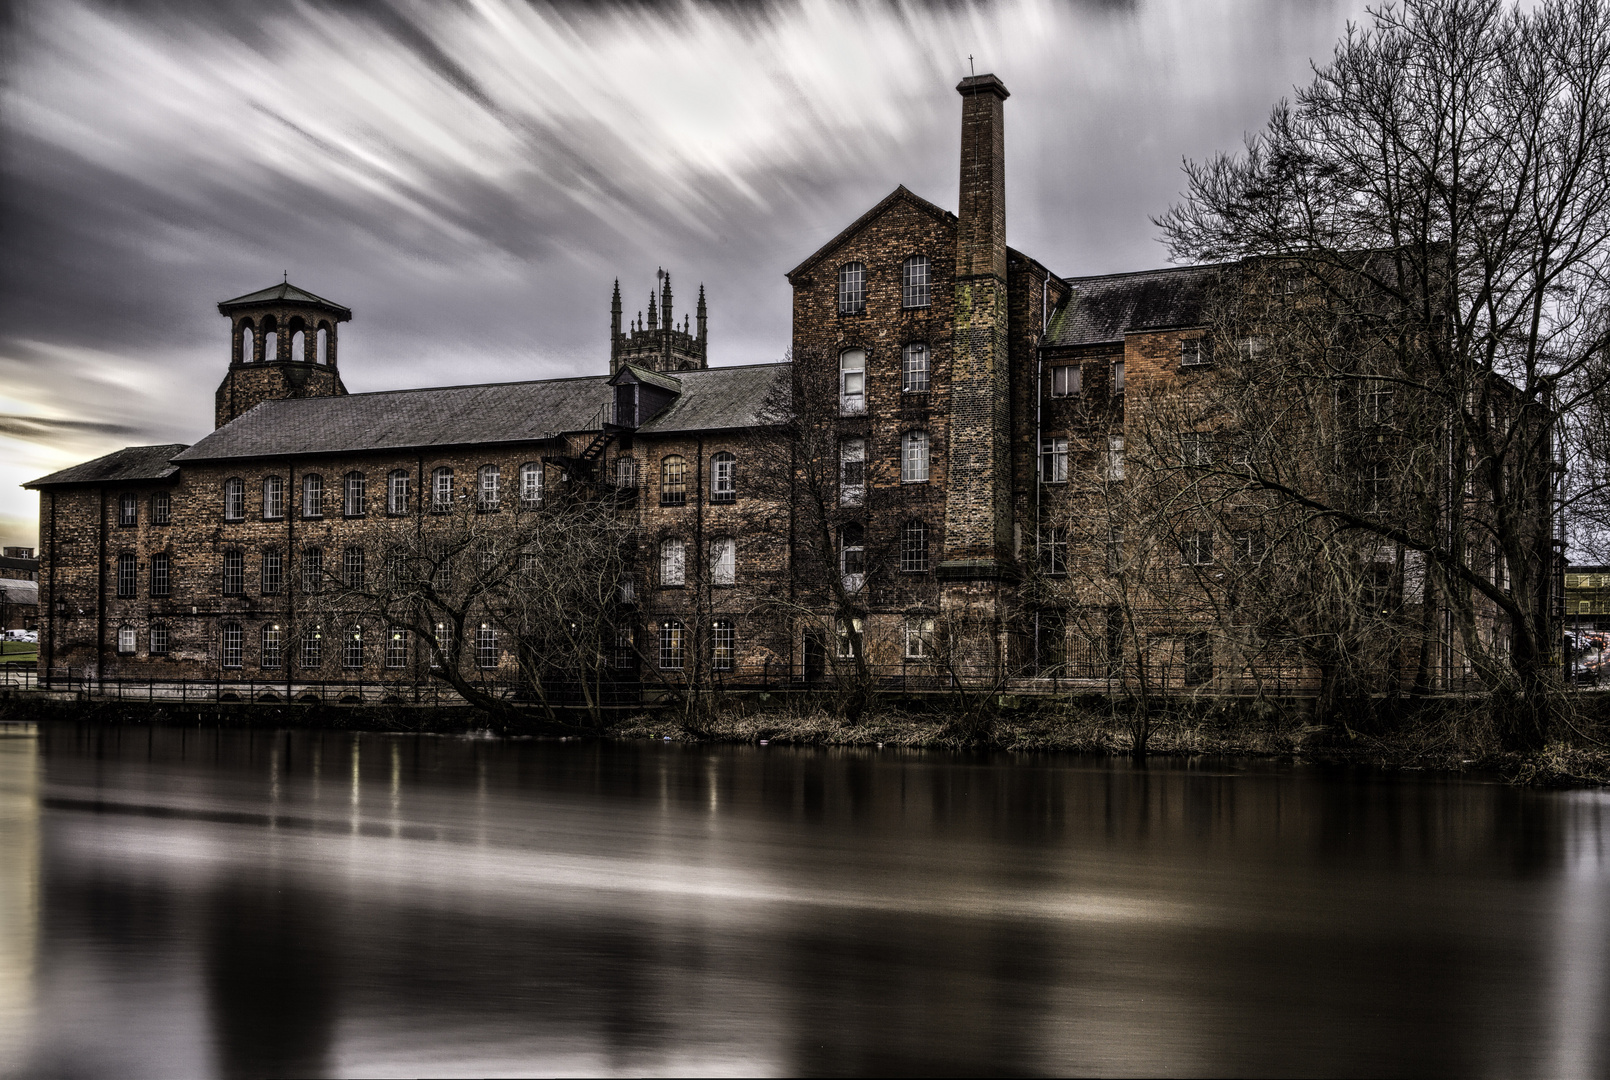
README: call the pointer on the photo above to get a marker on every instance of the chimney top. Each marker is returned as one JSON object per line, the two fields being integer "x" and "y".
{"x": 982, "y": 84}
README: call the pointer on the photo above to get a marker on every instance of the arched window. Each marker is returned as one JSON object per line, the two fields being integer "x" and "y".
{"x": 353, "y": 502}
{"x": 914, "y": 368}
{"x": 298, "y": 343}
{"x": 671, "y": 645}
{"x": 322, "y": 344}
{"x": 852, "y": 382}
{"x": 159, "y": 639}
{"x": 914, "y": 548}
{"x": 273, "y": 571}
{"x": 531, "y": 484}
{"x": 127, "y": 575}
{"x": 352, "y": 567}
{"x": 914, "y": 457}
{"x": 852, "y": 288}
{"x": 231, "y": 641}
{"x": 352, "y": 648}
{"x": 312, "y": 649}
{"x": 852, "y": 556}
{"x": 723, "y": 478}
{"x": 128, "y": 509}
{"x": 247, "y": 340}
{"x": 914, "y": 279}
{"x": 272, "y": 651}
{"x": 723, "y": 645}
{"x": 126, "y": 639}
{"x": 673, "y": 562}
{"x": 234, "y": 499}
{"x": 273, "y": 498}
{"x": 852, "y": 472}
{"x": 271, "y": 341}
{"x": 441, "y": 490}
{"x": 397, "y": 485}
{"x": 234, "y": 572}
{"x": 723, "y": 561}
{"x": 488, "y": 487}
{"x": 312, "y": 495}
{"x": 161, "y": 574}
{"x": 487, "y": 652}
{"x": 674, "y": 481}
{"x": 312, "y": 570}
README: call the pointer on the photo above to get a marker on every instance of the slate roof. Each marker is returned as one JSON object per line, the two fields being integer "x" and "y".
{"x": 283, "y": 291}
{"x": 129, "y": 463}
{"x": 1105, "y": 308}
{"x": 19, "y": 592}
{"x": 653, "y": 378}
{"x": 487, "y": 414}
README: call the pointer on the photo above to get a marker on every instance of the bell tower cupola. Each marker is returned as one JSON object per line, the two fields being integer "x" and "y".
{"x": 282, "y": 344}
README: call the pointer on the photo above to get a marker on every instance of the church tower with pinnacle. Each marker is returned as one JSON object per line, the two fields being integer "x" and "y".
{"x": 657, "y": 343}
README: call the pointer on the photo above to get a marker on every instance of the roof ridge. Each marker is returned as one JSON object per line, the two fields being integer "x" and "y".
{"x": 900, "y": 192}
{"x": 1137, "y": 273}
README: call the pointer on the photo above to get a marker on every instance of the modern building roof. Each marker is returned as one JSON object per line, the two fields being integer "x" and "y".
{"x": 487, "y": 414}
{"x": 1105, "y": 308}
{"x": 283, "y": 292}
{"x": 127, "y": 464}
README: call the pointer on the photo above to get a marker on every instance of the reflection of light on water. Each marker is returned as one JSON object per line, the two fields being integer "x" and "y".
{"x": 1581, "y": 927}
{"x": 19, "y": 888}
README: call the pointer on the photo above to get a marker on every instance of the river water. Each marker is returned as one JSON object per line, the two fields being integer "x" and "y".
{"x": 191, "y": 902}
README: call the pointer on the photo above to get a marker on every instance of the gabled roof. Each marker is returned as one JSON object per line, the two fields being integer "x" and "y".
{"x": 284, "y": 291}
{"x": 1105, "y": 308}
{"x": 644, "y": 375}
{"x": 899, "y": 194}
{"x": 129, "y": 463}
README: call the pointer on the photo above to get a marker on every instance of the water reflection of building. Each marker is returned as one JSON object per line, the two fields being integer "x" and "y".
{"x": 1587, "y": 597}
{"x": 19, "y": 892}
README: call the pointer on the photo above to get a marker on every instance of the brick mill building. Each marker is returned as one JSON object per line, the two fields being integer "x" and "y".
{"x": 949, "y": 381}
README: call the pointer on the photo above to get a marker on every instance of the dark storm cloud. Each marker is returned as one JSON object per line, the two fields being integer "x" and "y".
{"x": 471, "y": 177}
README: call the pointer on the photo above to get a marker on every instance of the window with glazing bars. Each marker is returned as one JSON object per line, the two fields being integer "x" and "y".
{"x": 487, "y": 653}
{"x": 914, "y": 368}
{"x": 671, "y": 645}
{"x": 852, "y": 472}
{"x": 626, "y": 473}
{"x": 914, "y": 457}
{"x": 852, "y": 288}
{"x": 531, "y": 484}
{"x": 441, "y": 490}
{"x": 673, "y": 481}
{"x": 488, "y": 487}
{"x": 234, "y": 499}
{"x": 397, "y": 649}
{"x": 353, "y": 503}
{"x": 352, "y": 648}
{"x": 128, "y": 510}
{"x": 723, "y": 561}
{"x": 723, "y": 478}
{"x": 397, "y": 491}
{"x": 127, "y": 575}
{"x": 312, "y": 649}
{"x": 625, "y": 649}
{"x": 673, "y": 555}
{"x": 273, "y": 498}
{"x": 273, "y": 578}
{"x": 915, "y": 273}
{"x": 161, "y": 508}
{"x": 161, "y": 573}
{"x": 1054, "y": 550}
{"x": 1196, "y": 548}
{"x": 1054, "y": 460}
{"x": 234, "y": 572}
{"x": 914, "y": 548}
{"x": 126, "y": 638}
{"x": 232, "y": 640}
{"x": 919, "y": 639}
{"x": 852, "y": 382}
{"x": 722, "y": 645}
{"x": 272, "y": 649}
{"x": 159, "y": 639}
{"x": 852, "y": 556}
{"x": 441, "y": 556}
{"x": 312, "y": 495}
{"x": 352, "y": 567}
{"x": 312, "y": 570}
{"x": 444, "y": 644}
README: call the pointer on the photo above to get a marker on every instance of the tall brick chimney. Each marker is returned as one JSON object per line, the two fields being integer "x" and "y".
{"x": 978, "y": 492}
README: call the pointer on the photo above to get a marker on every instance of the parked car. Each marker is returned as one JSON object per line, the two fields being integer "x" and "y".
{"x": 29, "y": 636}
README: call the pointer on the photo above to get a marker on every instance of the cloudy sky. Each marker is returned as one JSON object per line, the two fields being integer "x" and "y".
{"x": 469, "y": 177}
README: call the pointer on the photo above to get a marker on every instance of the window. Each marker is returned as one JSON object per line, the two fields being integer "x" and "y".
{"x": 128, "y": 510}
{"x": 1054, "y": 460}
{"x": 852, "y": 288}
{"x": 852, "y": 556}
{"x": 441, "y": 555}
{"x": 126, "y": 639}
{"x": 852, "y": 472}
{"x": 488, "y": 488}
{"x": 1248, "y": 545}
{"x": 234, "y": 572}
{"x": 1054, "y": 550}
{"x": 625, "y": 473}
{"x": 396, "y": 649}
{"x": 671, "y": 645}
{"x": 1112, "y": 462}
{"x": 723, "y": 478}
{"x": 1115, "y": 549}
{"x": 628, "y": 588}
{"x": 159, "y": 639}
{"x": 1249, "y": 349}
{"x": 352, "y": 567}
{"x": 396, "y": 567}
{"x": 272, "y": 649}
{"x": 234, "y": 499}
{"x": 1196, "y": 449}
{"x": 914, "y": 368}
{"x": 352, "y": 649}
{"x": 1378, "y": 488}
{"x": 674, "y": 481}
{"x": 531, "y": 484}
{"x": 161, "y": 508}
{"x": 273, "y": 498}
{"x": 352, "y": 499}
{"x": 312, "y": 570}
{"x": 914, "y": 548}
{"x": 722, "y": 640}
{"x": 161, "y": 574}
{"x": 444, "y": 644}
{"x": 1065, "y": 380}
{"x": 914, "y": 457}
{"x": 1050, "y": 642}
{"x": 852, "y": 382}
{"x": 672, "y": 563}
{"x": 127, "y": 575}
{"x": 625, "y": 658}
{"x": 915, "y": 276}
{"x": 312, "y": 649}
{"x": 441, "y": 490}
{"x": 919, "y": 639}
{"x": 1195, "y": 352}
{"x": 848, "y": 634}
{"x": 1198, "y": 659}
{"x": 397, "y": 485}
{"x": 1118, "y": 376}
{"x": 312, "y": 495}
{"x": 1377, "y": 404}
{"x": 723, "y": 561}
{"x": 1196, "y": 548}
{"x": 273, "y": 579}
{"x": 232, "y": 639}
